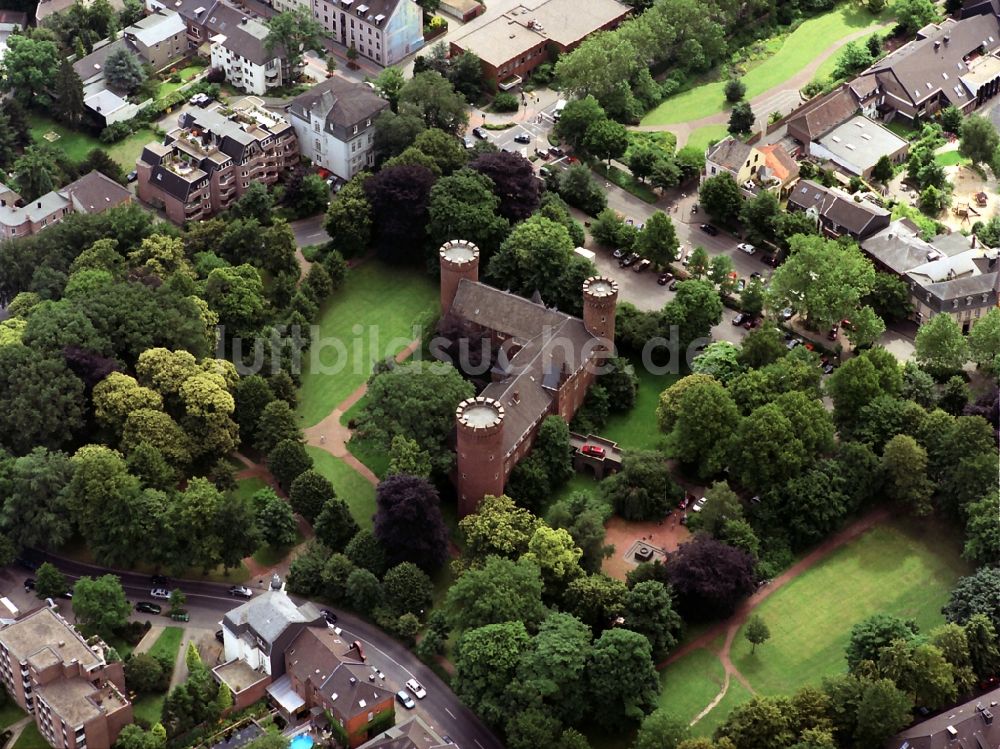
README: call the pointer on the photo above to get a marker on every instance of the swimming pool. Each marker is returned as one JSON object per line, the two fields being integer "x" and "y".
{"x": 302, "y": 741}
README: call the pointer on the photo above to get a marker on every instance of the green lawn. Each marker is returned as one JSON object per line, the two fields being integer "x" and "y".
{"x": 701, "y": 137}
{"x": 149, "y": 708}
{"x": 901, "y": 569}
{"x": 77, "y": 145}
{"x": 637, "y": 429}
{"x": 689, "y": 684}
{"x": 351, "y": 487}
{"x": 826, "y": 68}
{"x": 10, "y": 714}
{"x": 626, "y": 181}
{"x": 385, "y": 304}
{"x": 186, "y": 73}
{"x": 797, "y": 51}
{"x": 268, "y": 555}
{"x": 248, "y": 487}
{"x": 30, "y": 738}
{"x": 951, "y": 158}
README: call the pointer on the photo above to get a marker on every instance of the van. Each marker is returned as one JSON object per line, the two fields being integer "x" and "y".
{"x": 10, "y": 608}
{"x": 557, "y": 112}
{"x": 584, "y": 253}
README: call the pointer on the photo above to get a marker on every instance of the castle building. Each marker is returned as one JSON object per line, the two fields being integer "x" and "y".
{"x": 545, "y": 363}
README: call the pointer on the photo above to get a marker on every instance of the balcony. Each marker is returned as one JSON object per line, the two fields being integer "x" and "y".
{"x": 272, "y": 75}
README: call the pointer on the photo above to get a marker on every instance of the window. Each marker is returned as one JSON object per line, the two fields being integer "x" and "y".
{"x": 355, "y": 130}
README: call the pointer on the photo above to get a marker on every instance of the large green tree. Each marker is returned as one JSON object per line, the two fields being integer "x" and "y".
{"x": 290, "y": 33}
{"x": 464, "y": 206}
{"x": 622, "y": 678}
{"x": 500, "y": 591}
{"x": 29, "y": 69}
{"x": 100, "y": 605}
{"x": 941, "y": 348}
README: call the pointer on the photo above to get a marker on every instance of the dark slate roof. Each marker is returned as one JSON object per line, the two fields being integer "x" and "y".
{"x": 552, "y": 343}
{"x": 95, "y": 193}
{"x": 729, "y": 153}
{"x": 923, "y": 71}
{"x": 16, "y": 17}
{"x": 832, "y": 110}
{"x": 980, "y": 8}
{"x": 340, "y": 102}
{"x": 355, "y": 697}
{"x": 968, "y": 721}
{"x": 864, "y": 87}
{"x": 836, "y": 206}
{"x": 89, "y": 66}
{"x": 412, "y": 733}
{"x": 313, "y": 655}
{"x": 244, "y": 36}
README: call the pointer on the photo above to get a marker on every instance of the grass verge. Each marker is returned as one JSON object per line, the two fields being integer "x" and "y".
{"x": 626, "y": 182}
{"x": 167, "y": 644}
{"x": 703, "y": 136}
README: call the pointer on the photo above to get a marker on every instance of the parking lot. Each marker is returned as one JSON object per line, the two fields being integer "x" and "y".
{"x": 535, "y": 130}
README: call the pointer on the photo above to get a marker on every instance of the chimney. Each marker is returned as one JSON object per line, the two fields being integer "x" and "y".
{"x": 937, "y": 45}
{"x": 39, "y": 204}
{"x": 947, "y": 38}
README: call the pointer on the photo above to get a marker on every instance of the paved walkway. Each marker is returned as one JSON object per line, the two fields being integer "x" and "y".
{"x": 17, "y": 728}
{"x": 731, "y": 627}
{"x": 148, "y": 639}
{"x": 782, "y": 98}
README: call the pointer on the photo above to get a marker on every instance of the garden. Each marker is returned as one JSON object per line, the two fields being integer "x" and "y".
{"x": 177, "y": 78}
{"x": 77, "y": 145}
{"x": 148, "y": 707}
{"x": 790, "y": 55}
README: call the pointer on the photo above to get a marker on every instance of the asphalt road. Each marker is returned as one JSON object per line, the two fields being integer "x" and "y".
{"x": 207, "y": 602}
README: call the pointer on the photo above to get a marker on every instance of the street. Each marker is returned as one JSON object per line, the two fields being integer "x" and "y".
{"x": 207, "y": 602}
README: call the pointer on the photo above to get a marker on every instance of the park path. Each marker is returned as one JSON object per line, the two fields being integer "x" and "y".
{"x": 151, "y": 636}
{"x": 17, "y": 728}
{"x": 332, "y": 436}
{"x": 781, "y": 98}
{"x": 731, "y": 626}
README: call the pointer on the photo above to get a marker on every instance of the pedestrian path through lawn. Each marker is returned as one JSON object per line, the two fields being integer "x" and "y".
{"x": 807, "y": 44}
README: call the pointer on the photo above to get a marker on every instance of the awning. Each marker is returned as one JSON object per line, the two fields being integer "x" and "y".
{"x": 282, "y": 692}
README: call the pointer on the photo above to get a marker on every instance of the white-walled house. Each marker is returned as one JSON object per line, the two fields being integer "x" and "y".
{"x": 334, "y": 123}
{"x": 385, "y": 31}
{"x": 239, "y": 48}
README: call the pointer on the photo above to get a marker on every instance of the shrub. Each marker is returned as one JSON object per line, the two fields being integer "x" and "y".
{"x": 116, "y": 131}
{"x": 215, "y": 75}
{"x": 505, "y": 102}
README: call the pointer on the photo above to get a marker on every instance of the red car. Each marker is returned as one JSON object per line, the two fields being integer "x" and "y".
{"x": 596, "y": 450}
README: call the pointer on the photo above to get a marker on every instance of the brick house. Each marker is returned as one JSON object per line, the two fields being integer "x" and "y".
{"x": 546, "y": 362}
{"x": 209, "y": 161}
{"x": 836, "y": 213}
{"x": 76, "y": 696}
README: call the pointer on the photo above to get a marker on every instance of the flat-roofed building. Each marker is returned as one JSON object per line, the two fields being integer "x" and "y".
{"x": 514, "y": 44}
{"x": 857, "y": 145}
{"x": 76, "y": 696}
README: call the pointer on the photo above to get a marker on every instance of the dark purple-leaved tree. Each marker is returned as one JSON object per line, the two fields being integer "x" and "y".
{"x": 399, "y": 197}
{"x": 514, "y": 182}
{"x": 408, "y": 522}
{"x": 710, "y": 578}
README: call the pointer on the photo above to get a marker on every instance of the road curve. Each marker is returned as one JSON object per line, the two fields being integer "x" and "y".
{"x": 208, "y": 601}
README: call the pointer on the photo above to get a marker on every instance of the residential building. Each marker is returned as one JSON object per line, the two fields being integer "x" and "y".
{"x": 413, "y": 733}
{"x": 92, "y": 193}
{"x": 973, "y": 8}
{"x": 334, "y": 123}
{"x": 512, "y": 45}
{"x": 973, "y": 725}
{"x": 951, "y": 63}
{"x": 463, "y": 10}
{"x": 856, "y": 146}
{"x": 837, "y": 214}
{"x": 159, "y": 39}
{"x": 11, "y": 21}
{"x": 196, "y": 15}
{"x": 276, "y": 649}
{"x": 239, "y": 48}
{"x": 754, "y": 168}
{"x": 76, "y": 696}
{"x": 822, "y": 115}
{"x": 951, "y": 274}
{"x": 209, "y": 160}
{"x": 549, "y": 361}
{"x": 385, "y": 31}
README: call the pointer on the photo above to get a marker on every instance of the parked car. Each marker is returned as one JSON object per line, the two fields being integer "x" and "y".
{"x": 469, "y": 142}
{"x": 771, "y": 260}
{"x": 751, "y": 322}
{"x": 755, "y": 274}
{"x": 617, "y": 254}
{"x": 793, "y": 343}
{"x": 415, "y": 686}
{"x": 132, "y": 176}
{"x": 148, "y": 608}
{"x": 749, "y": 249}
{"x": 29, "y": 584}
{"x": 709, "y": 229}
{"x": 699, "y": 504}
{"x": 664, "y": 278}
{"x": 556, "y": 152}
{"x": 219, "y": 636}
{"x": 241, "y": 591}
{"x": 741, "y": 284}
{"x": 522, "y": 138}
{"x": 596, "y": 450}
{"x": 627, "y": 261}
{"x": 682, "y": 505}
{"x": 160, "y": 593}
{"x": 846, "y": 324}
{"x": 673, "y": 285}
{"x": 828, "y": 368}
{"x": 66, "y": 595}
{"x": 642, "y": 265}
{"x": 786, "y": 313}
{"x": 740, "y": 318}
{"x": 331, "y": 618}
{"x": 404, "y": 699}
{"x": 479, "y": 133}
{"x": 832, "y": 335}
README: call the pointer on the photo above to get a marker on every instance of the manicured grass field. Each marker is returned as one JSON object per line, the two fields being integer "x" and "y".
{"x": 735, "y": 695}
{"x": 168, "y": 643}
{"x": 688, "y": 685}
{"x": 637, "y": 429}
{"x": 149, "y": 708}
{"x": 248, "y": 487}
{"x": 951, "y": 158}
{"x": 349, "y": 484}
{"x": 701, "y": 137}
{"x": 797, "y": 51}
{"x": 826, "y": 68}
{"x": 30, "y": 738}
{"x": 10, "y": 714}
{"x": 186, "y": 73}
{"x": 77, "y": 145}
{"x": 371, "y": 317}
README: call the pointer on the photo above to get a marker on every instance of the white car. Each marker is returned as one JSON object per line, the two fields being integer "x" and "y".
{"x": 241, "y": 591}
{"x": 418, "y": 691}
{"x": 699, "y": 504}
{"x": 160, "y": 593}
{"x": 749, "y": 249}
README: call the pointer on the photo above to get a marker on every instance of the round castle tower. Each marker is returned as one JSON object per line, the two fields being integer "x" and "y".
{"x": 479, "y": 427}
{"x": 458, "y": 259}
{"x": 600, "y": 298}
